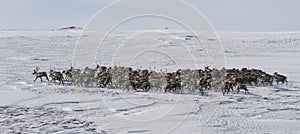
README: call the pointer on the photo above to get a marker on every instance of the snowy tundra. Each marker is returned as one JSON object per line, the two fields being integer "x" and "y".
{"x": 45, "y": 107}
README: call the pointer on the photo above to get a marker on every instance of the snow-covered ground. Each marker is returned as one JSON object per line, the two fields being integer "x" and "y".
{"x": 27, "y": 106}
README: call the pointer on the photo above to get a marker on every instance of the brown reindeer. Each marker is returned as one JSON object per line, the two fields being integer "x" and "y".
{"x": 56, "y": 76}
{"x": 240, "y": 86}
{"x": 280, "y": 78}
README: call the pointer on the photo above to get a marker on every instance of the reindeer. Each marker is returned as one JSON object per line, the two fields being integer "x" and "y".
{"x": 56, "y": 76}
{"x": 228, "y": 85}
{"x": 240, "y": 86}
{"x": 205, "y": 83}
{"x": 39, "y": 74}
{"x": 155, "y": 80}
{"x": 267, "y": 79}
{"x": 104, "y": 79}
{"x": 68, "y": 74}
{"x": 280, "y": 78}
{"x": 173, "y": 82}
{"x": 72, "y": 74}
{"x": 173, "y": 86}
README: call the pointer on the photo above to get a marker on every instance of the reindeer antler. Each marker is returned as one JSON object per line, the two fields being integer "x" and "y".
{"x": 166, "y": 70}
{"x": 36, "y": 69}
{"x": 98, "y": 63}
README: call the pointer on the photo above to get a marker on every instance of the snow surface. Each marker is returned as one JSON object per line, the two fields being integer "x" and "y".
{"x": 32, "y": 107}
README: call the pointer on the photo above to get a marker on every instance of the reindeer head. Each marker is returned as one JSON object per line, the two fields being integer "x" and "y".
{"x": 35, "y": 71}
{"x": 206, "y": 68}
{"x": 86, "y": 68}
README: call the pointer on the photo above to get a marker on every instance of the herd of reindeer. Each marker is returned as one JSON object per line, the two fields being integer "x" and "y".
{"x": 180, "y": 81}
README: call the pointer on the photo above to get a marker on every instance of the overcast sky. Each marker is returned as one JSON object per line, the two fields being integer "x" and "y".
{"x": 224, "y": 15}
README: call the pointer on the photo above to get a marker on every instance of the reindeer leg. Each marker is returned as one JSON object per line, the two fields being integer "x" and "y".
{"x": 202, "y": 93}
{"x": 62, "y": 81}
{"x": 223, "y": 92}
{"x": 35, "y": 78}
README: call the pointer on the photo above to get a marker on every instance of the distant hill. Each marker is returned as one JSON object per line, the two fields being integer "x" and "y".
{"x": 70, "y": 27}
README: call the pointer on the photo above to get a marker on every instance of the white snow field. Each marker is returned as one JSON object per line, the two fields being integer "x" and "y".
{"x": 44, "y": 107}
